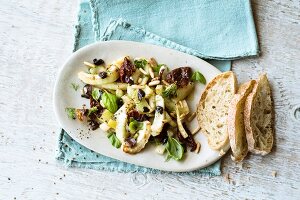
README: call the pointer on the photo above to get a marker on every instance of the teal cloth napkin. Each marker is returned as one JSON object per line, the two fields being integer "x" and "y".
{"x": 91, "y": 28}
{"x": 215, "y": 29}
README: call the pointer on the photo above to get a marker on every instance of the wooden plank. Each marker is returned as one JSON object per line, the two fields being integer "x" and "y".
{"x": 35, "y": 38}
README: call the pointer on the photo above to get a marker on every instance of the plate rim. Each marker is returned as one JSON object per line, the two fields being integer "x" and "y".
{"x": 85, "y": 48}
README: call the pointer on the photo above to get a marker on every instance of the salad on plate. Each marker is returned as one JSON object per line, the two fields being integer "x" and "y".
{"x": 137, "y": 101}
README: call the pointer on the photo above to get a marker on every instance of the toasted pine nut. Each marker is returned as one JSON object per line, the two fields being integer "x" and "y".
{"x": 198, "y": 147}
{"x": 145, "y": 80}
{"x": 140, "y": 80}
{"x": 138, "y": 86}
{"x": 151, "y": 72}
{"x": 143, "y": 71}
{"x": 180, "y": 104}
{"x": 161, "y": 71}
{"x": 196, "y": 130}
{"x": 152, "y": 83}
{"x": 155, "y": 79}
{"x": 89, "y": 64}
{"x": 152, "y": 62}
{"x": 191, "y": 117}
{"x": 165, "y": 82}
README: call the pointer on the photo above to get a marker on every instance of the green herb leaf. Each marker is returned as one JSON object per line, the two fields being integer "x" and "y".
{"x": 92, "y": 110}
{"x": 140, "y": 63}
{"x": 71, "y": 113}
{"x": 96, "y": 94}
{"x": 114, "y": 140}
{"x": 168, "y": 158}
{"x": 197, "y": 76}
{"x": 110, "y": 102}
{"x": 174, "y": 149}
{"x": 75, "y": 86}
{"x": 134, "y": 126}
{"x": 170, "y": 91}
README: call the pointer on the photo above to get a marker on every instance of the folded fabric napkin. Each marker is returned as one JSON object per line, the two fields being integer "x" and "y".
{"x": 95, "y": 23}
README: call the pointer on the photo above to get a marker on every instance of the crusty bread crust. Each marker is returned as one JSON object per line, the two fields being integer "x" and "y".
{"x": 236, "y": 127}
{"x": 259, "y": 117}
{"x": 212, "y": 111}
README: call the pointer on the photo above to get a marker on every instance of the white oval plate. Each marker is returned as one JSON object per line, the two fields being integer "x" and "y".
{"x": 65, "y": 96}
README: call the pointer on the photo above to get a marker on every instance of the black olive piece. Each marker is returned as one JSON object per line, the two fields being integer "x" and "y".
{"x": 141, "y": 94}
{"x": 159, "y": 109}
{"x": 98, "y": 61}
{"x": 145, "y": 109}
{"x": 120, "y": 102}
{"x": 128, "y": 80}
{"x": 87, "y": 91}
{"x": 103, "y": 74}
{"x": 165, "y": 140}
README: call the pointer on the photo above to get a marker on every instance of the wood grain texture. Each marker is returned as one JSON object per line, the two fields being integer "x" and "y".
{"x": 36, "y": 38}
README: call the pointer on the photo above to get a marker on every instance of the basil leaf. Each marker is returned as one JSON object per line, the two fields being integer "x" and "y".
{"x": 174, "y": 149}
{"x": 75, "y": 86}
{"x": 114, "y": 140}
{"x": 140, "y": 63}
{"x": 71, "y": 113}
{"x": 170, "y": 91}
{"x": 92, "y": 110}
{"x": 197, "y": 76}
{"x": 96, "y": 94}
{"x": 168, "y": 158}
{"x": 110, "y": 102}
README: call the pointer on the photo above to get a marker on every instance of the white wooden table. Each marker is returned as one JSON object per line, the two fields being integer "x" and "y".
{"x": 36, "y": 38}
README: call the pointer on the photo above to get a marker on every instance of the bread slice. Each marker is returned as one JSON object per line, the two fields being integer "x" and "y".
{"x": 212, "y": 111}
{"x": 259, "y": 117}
{"x": 236, "y": 127}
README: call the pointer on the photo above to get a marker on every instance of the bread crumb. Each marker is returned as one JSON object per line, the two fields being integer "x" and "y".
{"x": 274, "y": 174}
{"x": 221, "y": 153}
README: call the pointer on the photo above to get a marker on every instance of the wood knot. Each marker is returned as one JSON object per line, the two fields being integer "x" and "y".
{"x": 139, "y": 180}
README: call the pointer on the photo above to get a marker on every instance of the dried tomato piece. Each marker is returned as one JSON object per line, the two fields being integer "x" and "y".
{"x": 126, "y": 70}
{"x": 189, "y": 141}
{"x": 179, "y": 75}
{"x": 137, "y": 116}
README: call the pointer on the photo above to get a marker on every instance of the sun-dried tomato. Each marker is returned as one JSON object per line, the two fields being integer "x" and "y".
{"x": 126, "y": 71}
{"x": 189, "y": 141}
{"x": 137, "y": 116}
{"x": 179, "y": 75}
